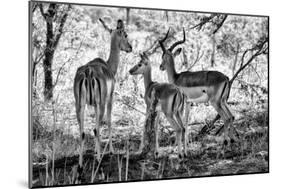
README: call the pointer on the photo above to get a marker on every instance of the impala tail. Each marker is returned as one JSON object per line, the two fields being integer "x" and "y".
{"x": 86, "y": 88}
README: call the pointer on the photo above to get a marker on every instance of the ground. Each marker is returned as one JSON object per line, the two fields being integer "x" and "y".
{"x": 206, "y": 155}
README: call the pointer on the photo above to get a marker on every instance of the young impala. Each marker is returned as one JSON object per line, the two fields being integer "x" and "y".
{"x": 200, "y": 86}
{"x": 170, "y": 101}
{"x": 94, "y": 85}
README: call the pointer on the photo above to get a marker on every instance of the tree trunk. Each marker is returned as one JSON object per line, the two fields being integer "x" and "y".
{"x": 47, "y": 64}
{"x": 127, "y": 16}
{"x": 149, "y": 137}
{"x": 52, "y": 39}
{"x": 167, "y": 16}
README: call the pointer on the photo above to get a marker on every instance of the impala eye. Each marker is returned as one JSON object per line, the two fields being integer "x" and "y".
{"x": 139, "y": 65}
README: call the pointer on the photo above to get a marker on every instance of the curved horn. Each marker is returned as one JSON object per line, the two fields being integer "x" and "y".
{"x": 162, "y": 40}
{"x": 178, "y": 42}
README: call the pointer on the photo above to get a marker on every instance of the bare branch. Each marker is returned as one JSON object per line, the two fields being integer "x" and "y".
{"x": 257, "y": 53}
{"x": 60, "y": 69}
{"x": 198, "y": 57}
{"x": 254, "y": 69}
{"x": 214, "y": 19}
{"x": 36, "y": 61}
{"x": 34, "y": 6}
{"x": 62, "y": 22}
{"x": 42, "y": 11}
{"x": 243, "y": 56}
{"x": 124, "y": 103}
{"x": 204, "y": 21}
{"x": 219, "y": 25}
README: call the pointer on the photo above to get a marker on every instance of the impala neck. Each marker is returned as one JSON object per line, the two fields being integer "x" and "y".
{"x": 171, "y": 71}
{"x": 147, "y": 78}
{"x": 114, "y": 56}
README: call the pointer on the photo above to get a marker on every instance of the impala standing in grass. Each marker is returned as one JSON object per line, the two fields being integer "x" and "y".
{"x": 94, "y": 86}
{"x": 170, "y": 101}
{"x": 200, "y": 86}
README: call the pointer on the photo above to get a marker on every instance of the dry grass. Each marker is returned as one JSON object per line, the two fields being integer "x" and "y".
{"x": 205, "y": 157}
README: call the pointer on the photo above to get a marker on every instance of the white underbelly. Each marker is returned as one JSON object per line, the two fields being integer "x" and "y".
{"x": 195, "y": 94}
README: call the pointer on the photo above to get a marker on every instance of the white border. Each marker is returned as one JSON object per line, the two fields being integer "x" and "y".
{"x": 14, "y": 87}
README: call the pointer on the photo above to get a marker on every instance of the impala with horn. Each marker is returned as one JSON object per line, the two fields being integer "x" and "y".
{"x": 94, "y": 86}
{"x": 170, "y": 102}
{"x": 200, "y": 86}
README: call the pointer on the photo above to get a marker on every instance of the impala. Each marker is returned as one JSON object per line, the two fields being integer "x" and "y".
{"x": 170, "y": 101}
{"x": 94, "y": 85}
{"x": 200, "y": 86}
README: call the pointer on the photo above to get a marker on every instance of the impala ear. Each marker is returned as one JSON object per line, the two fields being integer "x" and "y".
{"x": 120, "y": 25}
{"x": 177, "y": 52}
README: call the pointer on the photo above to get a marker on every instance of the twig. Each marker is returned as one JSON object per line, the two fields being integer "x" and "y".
{"x": 54, "y": 138}
{"x": 46, "y": 169}
{"x": 204, "y": 21}
{"x": 198, "y": 57}
{"x": 132, "y": 107}
{"x": 93, "y": 170}
{"x": 142, "y": 170}
{"x": 36, "y": 61}
{"x": 100, "y": 161}
{"x": 219, "y": 25}
{"x": 42, "y": 11}
{"x": 62, "y": 22}
{"x": 255, "y": 71}
{"x": 70, "y": 59}
{"x": 211, "y": 19}
{"x": 119, "y": 162}
{"x": 127, "y": 161}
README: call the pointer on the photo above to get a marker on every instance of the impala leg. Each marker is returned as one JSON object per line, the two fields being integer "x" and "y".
{"x": 184, "y": 131}
{"x": 99, "y": 115}
{"x": 143, "y": 133}
{"x": 108, "y": 119}
{"x": 178, "y": 129}
{"x": 224, "y": 116}
{"x": 80, "y": 108}
{"x": 230, "y": 119}
{"x": 186, "y": 121}
{"x": 156, "y": 134}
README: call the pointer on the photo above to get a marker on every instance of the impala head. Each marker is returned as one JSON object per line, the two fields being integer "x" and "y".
{"x": 120, "y": 37}
{"x": 142, "y": 66}
{"x": 168, "y": 54}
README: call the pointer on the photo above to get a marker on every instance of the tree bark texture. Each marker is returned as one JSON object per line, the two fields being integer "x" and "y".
{"x": 149, "y": 136}
{"x": 52, "y": 39}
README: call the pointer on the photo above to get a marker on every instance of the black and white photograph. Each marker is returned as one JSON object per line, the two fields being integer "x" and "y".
{"x": 125, "y": 94}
